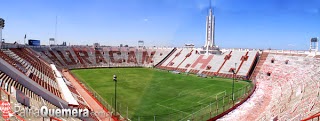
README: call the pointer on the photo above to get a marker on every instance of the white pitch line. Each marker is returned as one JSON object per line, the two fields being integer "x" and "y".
{"x": 212, "y": 95}
{"x": 189, "y": 91}
{"x": 173, "y": 109}
{"x": 200, "y": 103}
{"x": 204, "y": 99}
{"x": 195, "y": 112}
{"x": 209, "y": 97}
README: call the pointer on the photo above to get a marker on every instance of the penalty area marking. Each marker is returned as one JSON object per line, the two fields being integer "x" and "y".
{"x": 190, "y": 114}
{"x": 212, "y": 96}
{"x": 190, "y": 91}
{"x": 173, "y": 109}
{"x": 187, "y": 92}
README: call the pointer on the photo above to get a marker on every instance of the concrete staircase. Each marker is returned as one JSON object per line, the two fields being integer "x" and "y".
{"x": 262, "y": 58}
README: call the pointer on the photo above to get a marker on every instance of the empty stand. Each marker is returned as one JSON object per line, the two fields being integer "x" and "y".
{"x": 32, "y": 67}
{"x": 290, "y": 92}
{"x": 88, "y": 57}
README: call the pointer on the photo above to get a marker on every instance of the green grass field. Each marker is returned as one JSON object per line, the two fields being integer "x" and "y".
{"x": 147, "y": 92}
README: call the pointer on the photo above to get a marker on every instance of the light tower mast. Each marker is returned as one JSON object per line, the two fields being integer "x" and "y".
{"x": 1, "y": 27}
{"x": 210, "y": 26}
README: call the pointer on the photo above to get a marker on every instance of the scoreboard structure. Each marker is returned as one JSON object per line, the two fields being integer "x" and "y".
{"x": 34, "y": 42}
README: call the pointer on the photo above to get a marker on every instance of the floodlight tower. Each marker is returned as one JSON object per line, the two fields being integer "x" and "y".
{"x": 234, "y": 72}
{"x": 1, "y": 27}
{"x": 115, "y": 94}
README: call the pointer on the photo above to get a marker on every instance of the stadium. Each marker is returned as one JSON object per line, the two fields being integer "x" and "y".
{"x": 140, "y": 83}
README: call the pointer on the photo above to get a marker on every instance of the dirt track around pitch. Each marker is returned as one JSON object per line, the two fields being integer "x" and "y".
{"x": 91, "y": 101}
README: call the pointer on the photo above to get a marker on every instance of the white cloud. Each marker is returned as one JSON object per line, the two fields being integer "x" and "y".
{"x": 291, "y": 45}
{"x": 145, "y": 19}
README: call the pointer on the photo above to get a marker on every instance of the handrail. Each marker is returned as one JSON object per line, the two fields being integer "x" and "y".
{"x": 317, "y": 115}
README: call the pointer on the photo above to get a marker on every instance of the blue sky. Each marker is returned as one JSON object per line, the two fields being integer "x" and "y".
{"x": 279, "y": 24}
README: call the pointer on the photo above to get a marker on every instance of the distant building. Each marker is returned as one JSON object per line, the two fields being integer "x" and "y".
{"x": 64, "y": 43}
{"x": 189, "y": 45}
{"x": 96, "y": 45}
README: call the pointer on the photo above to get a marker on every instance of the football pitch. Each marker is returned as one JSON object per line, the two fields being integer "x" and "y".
{"x": 148, "y": 94}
